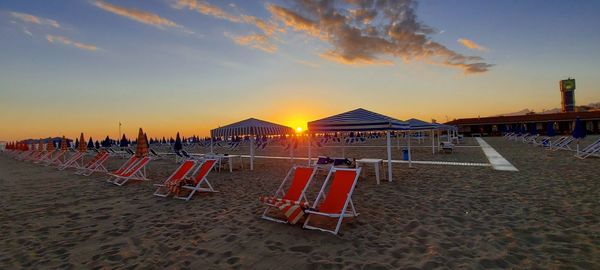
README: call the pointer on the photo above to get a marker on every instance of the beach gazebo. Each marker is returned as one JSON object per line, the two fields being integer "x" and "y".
{"x": 359, "y": 120}
{"x": 250, "y": 127}
{"x": 420, "y": 125}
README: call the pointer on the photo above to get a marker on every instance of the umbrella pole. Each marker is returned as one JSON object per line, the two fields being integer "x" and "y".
{"x": 211, "y": 145}
{"x": 409, "y": 155}
{"x": 292, "y": 151}
{"x": 251, "y": 152}
{"x": 389, "y": 154}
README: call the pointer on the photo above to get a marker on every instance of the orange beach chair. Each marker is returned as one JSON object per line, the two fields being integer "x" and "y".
{"x": 338, "y": 199}
{"x": 195, "y": 184}
{"x": 163, "y": 190}
{"x": 289, "y": 202}
{"x": 94, "y": 165}
{"x": 135, "y": 172}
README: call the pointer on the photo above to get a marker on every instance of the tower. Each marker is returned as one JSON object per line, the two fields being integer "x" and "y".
{"x": 567, "y": 93}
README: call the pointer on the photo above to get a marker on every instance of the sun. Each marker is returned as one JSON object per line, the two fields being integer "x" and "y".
{"x": 299, "y": 129}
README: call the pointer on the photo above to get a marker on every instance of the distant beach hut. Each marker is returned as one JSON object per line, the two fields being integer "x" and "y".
{"x": 82, "y": 147}
{"x": 141, "y": 146}
{"x": 251, "y": 127}
{"x": 359, "y": 120}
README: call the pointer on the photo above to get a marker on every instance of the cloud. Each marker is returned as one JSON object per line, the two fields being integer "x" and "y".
{"x": 68, "y": 42}
{"x": 254, "y": 40}
{"x": 136, "y": 14}
{"x": 371, "y": 32}
{"x": 24, "y": 17}
{"x": 471, "y": 44}
{"x": 258, "y": 41}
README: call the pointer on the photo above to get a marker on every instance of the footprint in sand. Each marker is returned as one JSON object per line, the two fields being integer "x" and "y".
{"x": 301, "y": 249}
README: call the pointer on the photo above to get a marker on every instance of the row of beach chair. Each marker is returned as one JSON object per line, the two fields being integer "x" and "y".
{"x": 288, "y": 204}
{"x": 560, "y": 143}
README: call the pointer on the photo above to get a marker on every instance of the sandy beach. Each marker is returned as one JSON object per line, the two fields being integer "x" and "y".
{"x": 545, "y": 216}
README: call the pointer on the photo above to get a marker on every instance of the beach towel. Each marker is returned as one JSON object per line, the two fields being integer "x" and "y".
{"x": 293, "y": 210}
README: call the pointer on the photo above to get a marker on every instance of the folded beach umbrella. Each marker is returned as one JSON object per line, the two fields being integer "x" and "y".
{"x": 124, "y": 142}
{"x": 550, "y": 129}
{"x": 90, "y": 143}
{"x": 142, "y": 146}
{"x": 177, "y": 146}
{"x": 50, "y": 146}
{"x": 40, "y": 145}
{"x": 63, "y": 144}
{"x": 579, "y": 130}
{"x": 82, "y": 147}
{"x": 97, "y": 144}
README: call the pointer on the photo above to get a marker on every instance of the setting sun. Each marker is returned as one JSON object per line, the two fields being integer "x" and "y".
{"x": 299, "y": 129}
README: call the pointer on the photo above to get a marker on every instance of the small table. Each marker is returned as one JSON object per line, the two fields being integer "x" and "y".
{"x": 229, "y": 158}
{"x": 376, "y": 164}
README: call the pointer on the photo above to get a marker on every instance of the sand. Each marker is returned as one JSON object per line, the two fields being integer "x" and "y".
{"x": 546, "y": 215}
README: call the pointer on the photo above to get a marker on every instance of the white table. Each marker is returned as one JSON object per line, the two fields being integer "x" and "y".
{"x": 229, "y": 159}
{"x": 377, "y": 163}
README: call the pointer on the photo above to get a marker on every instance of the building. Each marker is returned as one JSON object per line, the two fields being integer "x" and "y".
{"x": 496, "y": 125}
{"x": 567, "y": 95}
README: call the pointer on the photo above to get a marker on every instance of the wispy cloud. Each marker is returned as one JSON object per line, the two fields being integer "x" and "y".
{"x": 371, "y": 32}
{"x": 253, "y": 40}
{"x": 65, "y": 41}
{"x": 136, "y": 14}
{"x": 258, "y": 41}
{"x": 471, "y": 44}
{"x": 24, "y": 17}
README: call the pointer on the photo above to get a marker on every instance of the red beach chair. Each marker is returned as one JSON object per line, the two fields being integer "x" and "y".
{"x": 178, "y": 175}
{"x": 94, "y": 165}
{"x": 289, "y": 202}
{"x": 135, "y": 172}
{"x": 72, "y": 161}
{"x": 195, "y": 184}
{"x": 335, "y": 203}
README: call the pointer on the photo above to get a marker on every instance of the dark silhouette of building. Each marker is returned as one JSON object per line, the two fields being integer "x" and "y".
{"x": 496, "y": 125}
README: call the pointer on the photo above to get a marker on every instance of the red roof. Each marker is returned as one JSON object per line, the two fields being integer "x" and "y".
{"x": 551, "y": 117}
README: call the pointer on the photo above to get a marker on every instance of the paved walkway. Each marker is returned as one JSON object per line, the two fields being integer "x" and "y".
{"x": 498, "y": 162}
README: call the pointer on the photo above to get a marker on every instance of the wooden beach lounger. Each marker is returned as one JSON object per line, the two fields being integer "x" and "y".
{"x": 284, "y": 201}
{"x": 339, "y": 197}
{"x": 195, "y": 184}
{"x": 164, "y": 190}
{"x": 134, "y": 172}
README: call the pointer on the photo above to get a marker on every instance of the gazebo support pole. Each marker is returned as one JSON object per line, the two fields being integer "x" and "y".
{"x": 389, "y": 154}
{"x": 309, "y": 150}
{"x": 251, "y": 152}
{"x": 433, "y": 141}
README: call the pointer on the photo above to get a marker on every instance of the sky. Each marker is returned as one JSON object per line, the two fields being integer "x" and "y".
{"x": 188, "y": 66}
